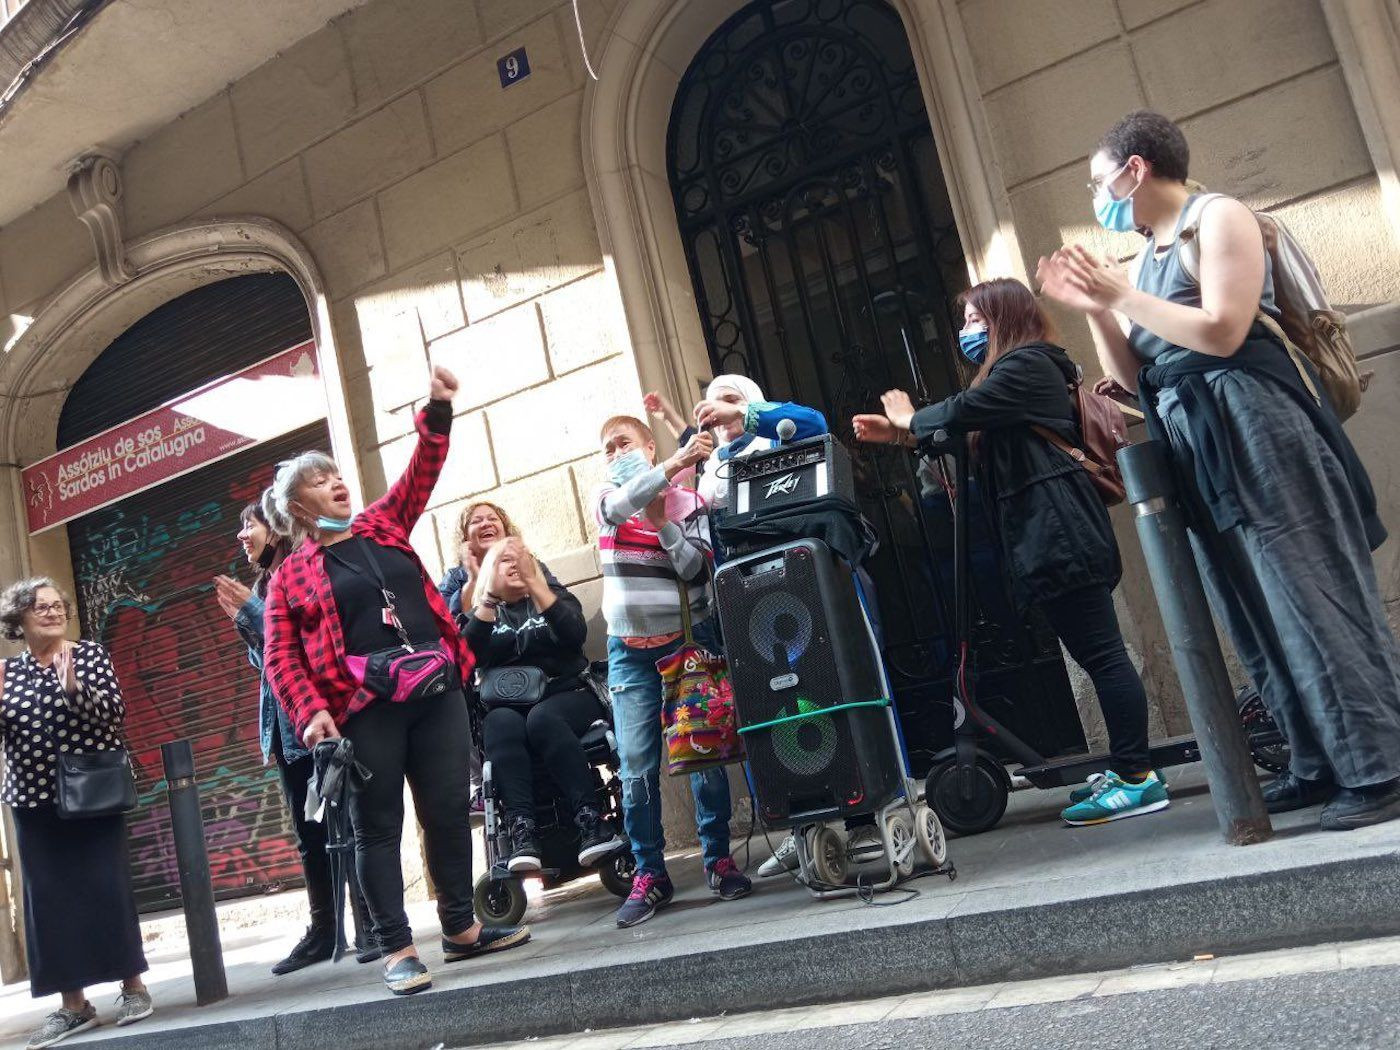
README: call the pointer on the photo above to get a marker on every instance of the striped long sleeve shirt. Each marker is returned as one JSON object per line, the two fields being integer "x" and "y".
{"x": 642, "y": 564}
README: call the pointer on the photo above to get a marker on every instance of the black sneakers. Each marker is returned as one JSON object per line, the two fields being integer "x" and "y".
{"x": 525, "y": 846}
{"x": 318, "y": 945}
{"x": 1288, "y": 793}
{"x": 596, "y": 837}
{"x": 1353, "y": 808}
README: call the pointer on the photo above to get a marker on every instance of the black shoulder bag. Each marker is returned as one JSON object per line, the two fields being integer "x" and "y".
{"x": 514, "y": 685}
{"x": 90, "y": 783}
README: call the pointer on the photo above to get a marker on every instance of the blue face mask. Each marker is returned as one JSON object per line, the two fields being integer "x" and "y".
{"x": 325, "y": 524}
{"x": 973, "y": 344}
{"x": 627, "y": 466}
{"x": 1115, "y": 215}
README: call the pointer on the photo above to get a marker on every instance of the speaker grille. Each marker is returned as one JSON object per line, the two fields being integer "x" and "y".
{"x": 797, "y": 645}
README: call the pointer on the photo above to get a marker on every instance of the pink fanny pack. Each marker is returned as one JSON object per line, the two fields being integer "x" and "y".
{"x": 403, "y": 673}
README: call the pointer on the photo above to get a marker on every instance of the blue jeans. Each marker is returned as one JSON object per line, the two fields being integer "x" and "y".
{"x": 636, "y": 693}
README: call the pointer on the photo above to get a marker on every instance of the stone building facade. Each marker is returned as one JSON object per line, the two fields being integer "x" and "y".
{"x": 525, "y": 234}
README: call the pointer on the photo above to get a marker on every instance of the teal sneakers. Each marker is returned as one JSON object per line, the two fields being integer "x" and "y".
{"x": 1110, "y": 797}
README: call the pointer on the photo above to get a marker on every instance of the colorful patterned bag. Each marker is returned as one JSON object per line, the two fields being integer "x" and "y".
{"x": 697, "y": 705}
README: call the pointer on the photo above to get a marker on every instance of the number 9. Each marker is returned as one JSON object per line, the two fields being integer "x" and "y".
{"x": 512, "y": 67}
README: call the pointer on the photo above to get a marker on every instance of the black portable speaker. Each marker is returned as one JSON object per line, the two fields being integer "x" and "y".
{"x": 778, "y": 479}
{"x": 797, "y": 645}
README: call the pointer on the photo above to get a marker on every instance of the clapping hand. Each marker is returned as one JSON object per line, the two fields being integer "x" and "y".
{"x": 899, "y": 410}
{"x": 63, "y": 667}
{"x": 875, "y": 429}
{"x": 1074, "y": 278}
{"x": 231, "y": 595}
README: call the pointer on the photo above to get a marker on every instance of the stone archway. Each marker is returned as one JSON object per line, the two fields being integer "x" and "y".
{"x": 66, "y": 336}
{"x": 647, "y": 45}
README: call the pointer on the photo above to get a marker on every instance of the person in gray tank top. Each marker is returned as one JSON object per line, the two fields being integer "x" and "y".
{"x": 1282, "y": 513}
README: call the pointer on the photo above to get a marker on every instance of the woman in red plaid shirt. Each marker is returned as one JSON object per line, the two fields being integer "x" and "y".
{"x": 352, "y": 621}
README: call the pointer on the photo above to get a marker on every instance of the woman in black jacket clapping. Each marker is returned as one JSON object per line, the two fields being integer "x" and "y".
{"x": 524, "y": 620}
{"x": 1056, "y": 540}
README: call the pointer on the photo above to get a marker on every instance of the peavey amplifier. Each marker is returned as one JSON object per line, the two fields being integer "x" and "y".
{"x": 774, "y": 480}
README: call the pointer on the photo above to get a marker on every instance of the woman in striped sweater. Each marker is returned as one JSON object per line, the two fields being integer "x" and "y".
{"x": 653, "y": 543}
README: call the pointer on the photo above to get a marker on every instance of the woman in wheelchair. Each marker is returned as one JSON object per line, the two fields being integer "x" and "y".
{"x": 527, "y": 633}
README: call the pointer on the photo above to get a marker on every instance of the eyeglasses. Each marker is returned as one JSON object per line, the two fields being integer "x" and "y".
{"x": 51, "y": 607}
{"x": 1098, "y": 182}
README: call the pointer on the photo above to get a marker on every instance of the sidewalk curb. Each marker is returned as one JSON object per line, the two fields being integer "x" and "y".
{"x": 1345, "y": 900}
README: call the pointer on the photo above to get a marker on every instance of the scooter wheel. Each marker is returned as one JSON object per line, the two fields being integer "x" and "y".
{"x": 828, "y": 854}
{"x": 986, "y": 800}
{"x": 929, "y": 831}
{"x": 499, "y": 902}
{"x": 901, "y": 831}
{"x": 615, "y": 873}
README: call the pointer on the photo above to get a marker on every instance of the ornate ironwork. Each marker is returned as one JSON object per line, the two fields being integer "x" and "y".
{"x": 826, "y": 260}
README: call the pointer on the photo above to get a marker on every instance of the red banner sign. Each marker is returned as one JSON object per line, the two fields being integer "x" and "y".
{"x": 273, "y": 397}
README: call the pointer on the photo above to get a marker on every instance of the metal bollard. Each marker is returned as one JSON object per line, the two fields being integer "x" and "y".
{"x": 196, "y": 886}
{"x": 1200, "y": 666}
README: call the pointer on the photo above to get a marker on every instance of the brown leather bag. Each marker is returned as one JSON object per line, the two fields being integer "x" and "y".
{"x": 1104, "y": 430}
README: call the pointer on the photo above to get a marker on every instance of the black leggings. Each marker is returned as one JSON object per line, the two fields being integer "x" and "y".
{"x": 549, "y": 733}
{"x": 425, "y": 742}
{"x": 1085, "y": 621}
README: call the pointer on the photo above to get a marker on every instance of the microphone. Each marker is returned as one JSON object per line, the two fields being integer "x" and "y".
{"x": 787, "y": 429}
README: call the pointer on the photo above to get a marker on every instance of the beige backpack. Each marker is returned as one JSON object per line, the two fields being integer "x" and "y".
{"x": 1308, "y": 326}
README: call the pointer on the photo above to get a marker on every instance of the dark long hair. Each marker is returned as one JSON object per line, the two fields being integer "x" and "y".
{"x": 1013, "y": 317}
{"x": 281, "y": 546}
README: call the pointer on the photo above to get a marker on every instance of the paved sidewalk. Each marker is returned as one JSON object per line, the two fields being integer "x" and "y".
{"x": 1033, "y": 899}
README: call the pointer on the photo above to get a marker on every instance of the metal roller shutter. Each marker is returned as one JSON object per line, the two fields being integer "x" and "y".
{"x": 205, "y": 334}
{"x": 144, "y": 569}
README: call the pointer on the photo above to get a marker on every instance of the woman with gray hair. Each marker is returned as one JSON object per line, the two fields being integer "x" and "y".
{"x": 359, "y": 643}
{"x": 79, "y": 911}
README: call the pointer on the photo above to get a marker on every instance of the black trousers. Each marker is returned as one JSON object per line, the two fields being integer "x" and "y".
{"x": 548, "y": 734}
{"x": 310, "y": 837}
{"x": 426, "y": 743}
{"x": 1085, "y": 621}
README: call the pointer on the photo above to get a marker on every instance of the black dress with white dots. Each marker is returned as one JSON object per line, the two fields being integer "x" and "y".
{"x": 81, "y": 926}
{"x": 39, "y": 720}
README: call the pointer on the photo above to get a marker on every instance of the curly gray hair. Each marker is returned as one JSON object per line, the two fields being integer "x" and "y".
{"x": 291, "y": 475}
{"x": 18, "y": 598}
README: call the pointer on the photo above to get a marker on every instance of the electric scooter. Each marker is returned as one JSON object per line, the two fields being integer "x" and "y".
{"x": 968, "y": 785}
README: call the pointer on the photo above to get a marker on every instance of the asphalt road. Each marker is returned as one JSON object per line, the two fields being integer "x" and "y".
{"x": 1353, "y": 1009}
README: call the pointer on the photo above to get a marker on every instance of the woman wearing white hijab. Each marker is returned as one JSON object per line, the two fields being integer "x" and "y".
{"x": 744, "y": 422}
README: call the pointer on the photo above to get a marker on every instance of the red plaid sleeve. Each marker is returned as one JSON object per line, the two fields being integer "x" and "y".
{"x": 284, "y": 657}
{"x": 404, "y": 503}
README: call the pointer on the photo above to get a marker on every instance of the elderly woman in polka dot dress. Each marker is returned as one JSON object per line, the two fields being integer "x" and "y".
{"x": 80, "y": 915}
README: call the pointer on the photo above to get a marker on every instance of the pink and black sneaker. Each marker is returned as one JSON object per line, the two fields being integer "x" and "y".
{"x": 649, "y": 892}
{"x": 727, "y": 880}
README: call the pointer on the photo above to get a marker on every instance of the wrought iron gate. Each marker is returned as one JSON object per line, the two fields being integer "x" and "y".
{"x": 826, "y": 261}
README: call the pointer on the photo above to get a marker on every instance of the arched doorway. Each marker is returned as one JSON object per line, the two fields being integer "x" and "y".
{"x": 825, "y": 258}
{"x": 144, "y": 565}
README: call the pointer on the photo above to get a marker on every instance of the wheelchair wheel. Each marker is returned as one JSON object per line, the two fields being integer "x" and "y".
{"x": 828, "y": 851}
{"x": 615, "y": 873}
{"x": 929, "y": 832}
{"x": 986, "y": 804}
{"x": 499, "y": 902}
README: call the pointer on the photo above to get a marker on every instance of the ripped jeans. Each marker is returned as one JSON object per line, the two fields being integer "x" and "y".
{"x": 636, "y": 694}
